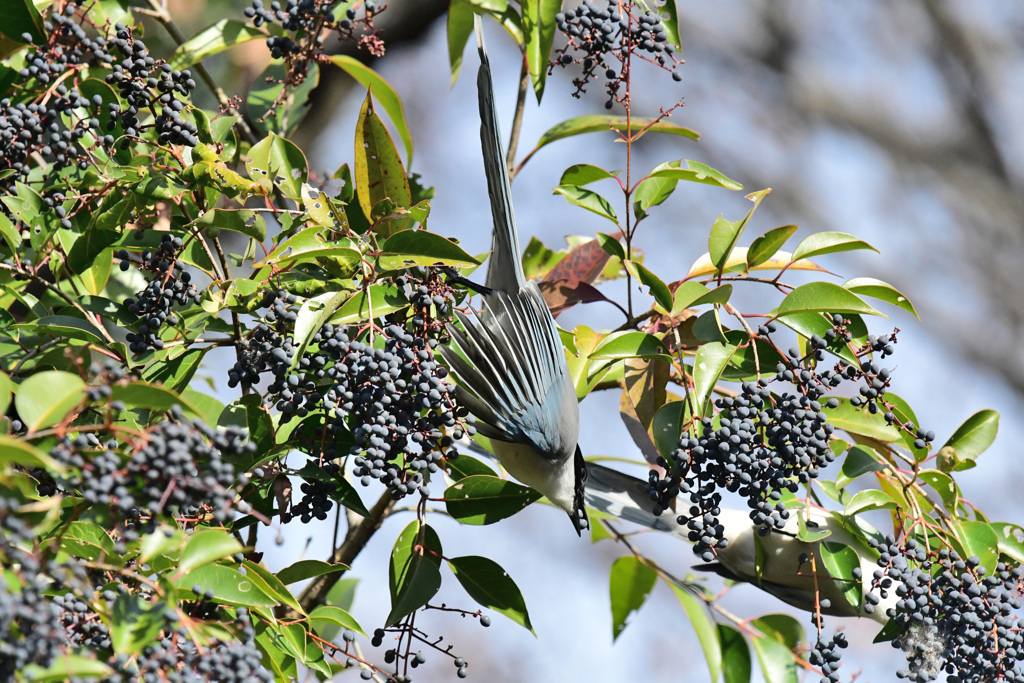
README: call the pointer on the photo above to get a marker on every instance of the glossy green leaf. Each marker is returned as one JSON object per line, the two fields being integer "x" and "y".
{"x": 840, "y": 560}
{"x": 277, "y": 161}
{"x": 492, "y": 587}
{"x": 212, "y": 40}
{"x": 244, "y": 221}
{"x": 690, "y": 294}
{"x": 482, "y": 499}
{"x": 737, "y": 263}
{"x": 539, "y": 34}
{"x": 329, "y": 617}
{"x": 855, "y": 420}
{"x": 133, "y": 623}
{"x": 267, "y": 112}
{"x": 229, "y": 586}
{"x": 629, "y": 345}
{"x": 595, "y": 123}
{"x": 824, "y": 297}
{"x": 205, "y": 546}
{"x": 378, "y": 300}
{"x": 975, "y": 435}
{"x": 810, "y": 324}
{"x": 310, "y": 244}
{"x": 414, "y": 576}
{"x": 466, "y": 466}
{"x": 271, "y": 585}
{"x": 611, "y": 245}
{"x": 883, "y": 291}
{"x": 766, "y": 246}
{"x": 666, "y": 427}
{"x": 775, "y": 659}
{"x": 870, "y": 499}
{"x": 66, "y": 326}
{"x": 821, "y": 243}
{"x": 21, "y": 16}
{"x": 312, "y": 316}
{"x": 708, "y": 365}
{"x": 87, "y": 247}
{"x": 379, "y": 174}
{"x": 382, "y": 91}
{"x": 943, "y": 484}
{"x": 86, "y": 540}
{"x": 459, "y": 29}
{"x": 659, "y": 290}
{"x": 630, "y": 583}
{"x": 584, "y": 174}
{"x": 858, "y": 461}
{"x": 589, "y": 200}
{"x": 980, "y": 539}
{"x": 736, "y": 662}
{"x": 175, "y": 374}
{"x": 6, "y": 392}
{"x": 1011, "y": 540}
{"x": 68, "y": 667}
{"x": 696, "y": 172}
{"x": 725, "y": 234}
{"x": 704, "y": 627}
{"x": 419, "y": 247}
{"x": 783, "y": 628}
{"x": 308, "y": 569}
{"x": 153, "y": 397}
{"x": 45, "y": 398}
{"x": 20, "y": 452}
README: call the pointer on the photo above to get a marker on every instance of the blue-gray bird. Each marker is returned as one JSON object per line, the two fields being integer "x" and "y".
{"x": 514, "y": 378}
{"x": 785, "y": 570}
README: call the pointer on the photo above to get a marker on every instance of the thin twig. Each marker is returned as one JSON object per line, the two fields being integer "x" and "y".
{"x": 517, "y": 120}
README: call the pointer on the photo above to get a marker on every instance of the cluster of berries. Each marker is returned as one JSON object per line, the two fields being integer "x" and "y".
{"x": 147, "y": 84}
{"x": 310, "y": 21}
{"x": 952, "y": 615}
{"x": 603, "y": 39}
{"x": 171, "y": 285}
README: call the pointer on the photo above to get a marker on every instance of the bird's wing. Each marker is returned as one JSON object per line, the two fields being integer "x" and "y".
{"x": 625, "y": 497}
{"x": 516, "y": 381}
{"x": 505, "y": 271}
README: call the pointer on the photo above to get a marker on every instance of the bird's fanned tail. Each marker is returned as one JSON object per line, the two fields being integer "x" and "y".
{"x": 505, "y": 272}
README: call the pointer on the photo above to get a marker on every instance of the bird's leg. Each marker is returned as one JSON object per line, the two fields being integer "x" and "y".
{"x": 455, "y": 279}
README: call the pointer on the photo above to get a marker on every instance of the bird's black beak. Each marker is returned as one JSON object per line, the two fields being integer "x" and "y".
{"x": 579, "y": 511}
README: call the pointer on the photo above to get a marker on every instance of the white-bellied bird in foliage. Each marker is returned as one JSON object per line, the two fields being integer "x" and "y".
{"x": 514, "y": 378}
{"x": 778, "y": 563}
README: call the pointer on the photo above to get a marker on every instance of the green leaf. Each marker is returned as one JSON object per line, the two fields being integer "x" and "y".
{"x": 327, "y": 617}
{"x": 824, "y": 297}
{"x": 630, "y": 583}
{"x": 611, "y": 245}
{"x": 858, "y": 461}
{"x": 765, "y": 246}
{"x": 840, "y": 561}
{"x": 86, "y": 540}
{"x": 19, "y": 452}
{"x": 383, "y": 92}
{"x": 379, "y": 173}
{"x": 311, "y": 317}
{"x": 975, "y": 435}
{"x": 310, "y": 244}
{"x": 482, "y": 499}
{"x": 659, "y": 290}
{"x": 690, "y": 294}
{"x": 667, "y": 425}
{"x": 414, "y": 576}
{"x": 943, "y": 484}
{"x": 21, "y": 16}
{"x": 277, "y": 161}
{"x": 308, "y": 569}
{"x": 782, "y": 628}
{"x": 883, "y": 291}
{"x": 45, "y": 398}
{"x": 589, "y": 200}
{"x": 460, "y": 28}
{"x": 206, "y": 546}
{"x": 492, "y": 587}
{"x": 584, "y": 174}
{"x": 704, "y": 627}
{"x": 378, "y": 300}
{"x": 696, "y": 172}
{"x": 821, "y": 243}
{"x": 736, "y": 664}
{"x": 66, "y": 326}
{"x": 87, "y": 247}
{"x": 6, "y": 392}
{"x": 979, "y": 538}
{"x": 1011, "y": 540}
{"x": 725, "y": 234}
{"x": 154, "y": 397}
{"x": 538, "y": 35}
{"x": 630, "y": 345}
{"x": 212, "y": 40}
{"x": 229, "y": 586}
{"x": 466, "y": 466}
{"x": 10, "y": 234}
{"x": 244, "y": 221}
{"x": 595, "y": 123}
{"x": 175, "y": 374}
{"x": 419, "y": 247}
{"x": 708, "y": 364}
{"x": 859, "y": 421}
{"x": 134, "y": 623}
{"x": 870, "y": 499}
{"x": 271, "y": 585}
{"x": 69, "y": 667}
{"x": 651, "y": 192}
{"x": 776, "y": 660}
